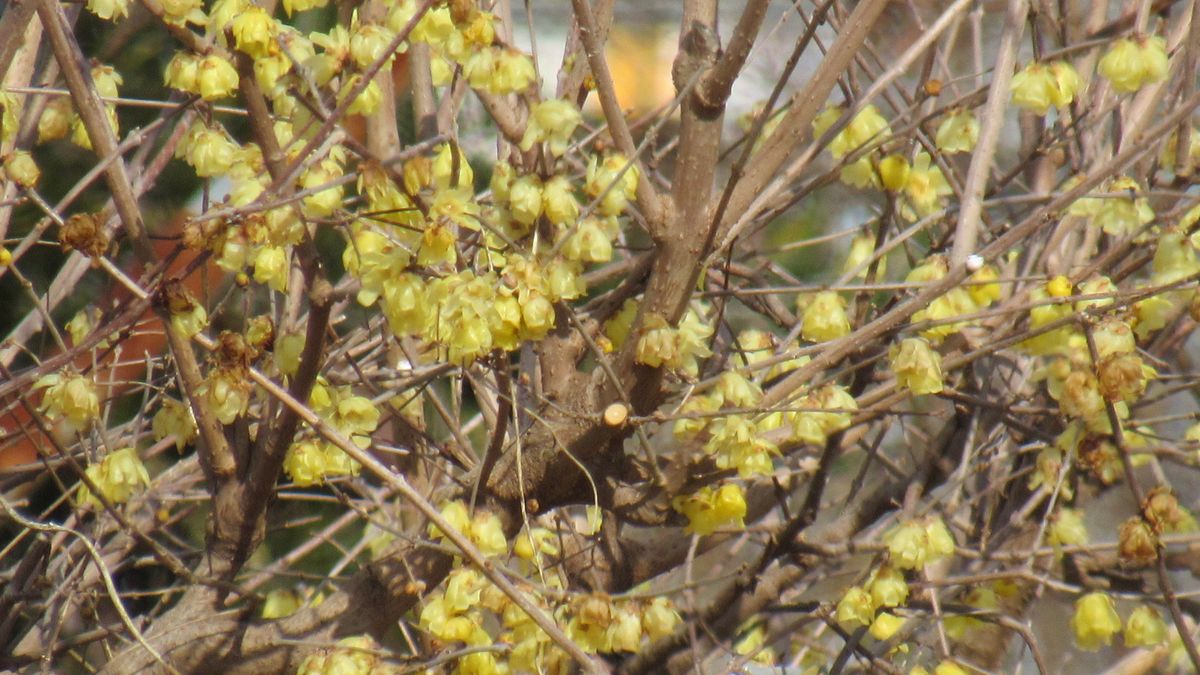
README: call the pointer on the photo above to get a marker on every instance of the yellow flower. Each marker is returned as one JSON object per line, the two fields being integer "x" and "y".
{"x": 558, "y": 201}
{"x": 271, "y": 267}
{"x": 707, "y": 510}
{"x": 824, "y": 317}
{"x": 55, "y": 122}
{"x": 1145, "y": 628}
{"x": 182, "y": 12}
{"x": 253, "y": 31}
{"x": 614, "y": 181}
{"x": 293, "y": 6}
{"x": 532, "y": 544}
{"x": 1120, "y": 210}
{"x": 365, "y": 103}
{"x": 917, "y": 366}
{"x": 983, "y": 289}
{"x": 324, "y": 201}
{"x": 215, "y": 78}
{"x": 1039, "y": 87}
{"x": 368, "y": 43}
{"x": 1095, "y": 621}
{"x": 209, "y": 150}
{"x": 958, "y": 131}
{"x": 488, "y": 533}
{"x": 175, "y": 418}
{"x": 355, "y": 655}
{"x": 868, "y": 125}
{"x": 305, "y": 463}
{"x": 588, "y": 242}
{"x": 551, "y": 121}
{"x": 941, "y": 542}
{"x": 811, "y": 425}
{"x": 512, "y": 72}
{"x": 108, "y": 9}
{"x": 227, "y": 392}
{"x": 1067, "y": 528}
{"x": 885, "y": 626}
{"x": 1032, "y": 88}
{"x": 908, "y": 545}
{"x": 660, "y": 618}
{"x": 1132, "y": 63}
{"x": 119, "y": 476}
{"x": 862, "y": 248}
{"x": 855, "y": 608}
{"x": 72, "y": 398}
{"x": 949, "y": 668}
{"x": 888, "y": 587}
{"x": 925, "y": 188}
{"x": 80, "y": 135}
{"x": 525, "y": 199}
{"x": 893, "y": 172}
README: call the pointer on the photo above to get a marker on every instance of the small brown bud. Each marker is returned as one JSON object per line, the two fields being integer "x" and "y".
{"x": 460, "y": 10}
{"x": 933, "y": 87}
{"x": 179, "y": 301}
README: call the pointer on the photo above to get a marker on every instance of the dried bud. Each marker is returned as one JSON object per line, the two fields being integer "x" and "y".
{"x": 83, "y": 232}
{"x": 232, "y": 351}
{"x": 1136, "y": 542}
{"x": 461, "y": 10}
{"x": 1161, "y": 510}
{"x": 1122, "y": 377}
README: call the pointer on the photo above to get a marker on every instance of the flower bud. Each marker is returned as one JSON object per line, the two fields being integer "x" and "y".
{"x": 21, "y": 169}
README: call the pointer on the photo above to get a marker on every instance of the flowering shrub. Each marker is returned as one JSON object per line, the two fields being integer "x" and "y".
{"x": 391, "y": 343}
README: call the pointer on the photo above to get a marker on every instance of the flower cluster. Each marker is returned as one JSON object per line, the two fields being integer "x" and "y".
{"x": 914, "y": 544}
{"x": 1132, "y": 63}
{"x": 980, "y": 292}
{"x": 470, "y": 611}
{"x": 678, "y": 348}
{"x": 886, "y": 588}
{"x": 1040, "y": 86}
